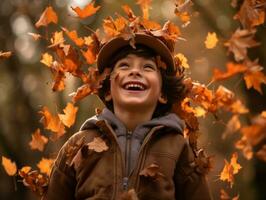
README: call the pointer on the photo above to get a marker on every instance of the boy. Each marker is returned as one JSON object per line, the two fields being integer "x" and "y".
{"x": 136, "y": 142}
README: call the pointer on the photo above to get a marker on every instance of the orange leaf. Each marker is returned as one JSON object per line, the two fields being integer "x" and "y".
{"x": 232, "y": 126}
{"x": 81, "y": 92}
{"x": 240, "y": 41}
{"x": 38, "y": 141}
{"x": 145, "y": 5}
{"x": 89, "y": 56}
{"x": 74, "y": 37}
{"x": 87, "y": 11}
{"x": 230, "y": 169}
{"x": 98, "y": 145}
{"x": 52, "y": 123}
{"x": 263, "y": 114}
{"x": 232, "y": 69}
{"x": 129, "y": 12}
{"x": 150, "y": 25}
{"x": 10, "y": 167}
{"x": 255, "y": 79}
{"x": 47, "y": 17}
{"x": 6, "y": 54}
{"x": 245, "y": 146}
{"x": 69, "y": 117}
{"x": 211, "y": 40}
{"x": 45, "y": 165}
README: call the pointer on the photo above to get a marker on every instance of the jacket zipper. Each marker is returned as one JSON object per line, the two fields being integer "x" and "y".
{"x": 127, "y": 159}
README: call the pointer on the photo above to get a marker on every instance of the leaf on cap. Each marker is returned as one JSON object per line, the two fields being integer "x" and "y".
{"x": 88, "y": 11}
{"x": 129, "y": 12}
{"x": 69, "y": 117}
{"x": 74, "y": 37}
{"x": 150, "y": 25}
{"x": 98, "y": 145}
{"x": 211, "y": 40}
{"x": 6, "y": 54}
{"x": 38, "y": 141}
{"x": 48, "y": 16}
{"x": 9, "y": 166}
{"x": 232, "y": 69}
{"x": 45, "y": 165}
{"x": 240, "y": 41}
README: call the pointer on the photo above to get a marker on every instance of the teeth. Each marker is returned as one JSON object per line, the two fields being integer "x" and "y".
{"x": 134, "y": 86}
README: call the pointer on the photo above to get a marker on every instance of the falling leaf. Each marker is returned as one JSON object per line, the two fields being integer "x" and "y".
{"x": 98, "y": 145}
{"x": 230, "y": 169}
{"x": 74, "y": 37}
{"x": 254, "y": 133}
{"x": 52, "y": 123}
{"x": 237, "y": 107}
{"x": 6, "y": 54}
{"x": 145, "y": 6}
{"x": 232, "y": 126}
{"x": 232, "y": 69}
{"x": 89, "y": 10}
{"x": 255, "y": 79}
{"x": 245, "y": 146}
{"x": 263, "y": 114}
{"x": 58, "y": 84}
{"x": 57, "y": 39}
{"x": 38, "y": 141}
{"x": 9, "y": 166}
{"x": 35, "y": 36}
{"x": 45, "y": 165}
{"x": 129, "y": 12}
{"x": 251, "y": 13}
{"x": 24, "y": 170}
{"x": 47, "y": 17}
{"x": 151, "y": 171}
{"x": 47, "y": 59}
{"x": 211, "y": 40}
{"x": 69, "y": 117}
{"x": 183, "y": 60}
{"x": 199, "y": 112}
{"x": 88, "y": 40}
{"x": 240, "y": 41}
{"x": 89, "y": 56}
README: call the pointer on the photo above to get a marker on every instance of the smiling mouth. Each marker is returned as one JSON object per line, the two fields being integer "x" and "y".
{"x": 134, "y": 86}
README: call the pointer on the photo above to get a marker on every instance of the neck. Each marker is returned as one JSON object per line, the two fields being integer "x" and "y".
{"x": 131, "y": 119}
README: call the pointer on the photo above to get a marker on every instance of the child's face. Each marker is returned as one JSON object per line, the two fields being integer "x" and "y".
{"x": 136, "y": 82}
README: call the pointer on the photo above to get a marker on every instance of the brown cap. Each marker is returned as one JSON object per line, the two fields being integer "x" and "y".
{"x": 107, "y": 51}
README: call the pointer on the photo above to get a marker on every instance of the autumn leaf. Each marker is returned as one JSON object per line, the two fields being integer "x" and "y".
{"x": 57, "y": 39}
{"x": 255, "y": 79}
{"x": 47, "y": 17}
{"x": 129, "y": 12}
{"x": 232, "y": 69}
{"x": 89, "y": 56}
{"x": 145, "y": 6}
{"x": 244, "y": 145}
{"x": 69, "y": 117}
{"x": 9, "y": 166}
{"x": 151, "y": 171}
{"x": 98, "y": 145}
{"x": 232, "y": 126}
{"x": 52, "y": 123}
{"x": 240, "y": 41}
{"x": 47, "y": 59}
{"x": 5, "y": 55}
{"x": 211, "y": 40}
{"x": 45, "y": 165}
{"x": 74, "y": 37}
{"x": 230, "y": 169}
{"x": 251, "y": 13}
{"x": 38, "y": 141}
{"x": 58, "y": 84}
{"x": 150, "y": 25}
{"x": 88, "y": 11}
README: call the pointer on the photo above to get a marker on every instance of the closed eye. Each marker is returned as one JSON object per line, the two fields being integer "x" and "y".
{"x": 150, "y": 67}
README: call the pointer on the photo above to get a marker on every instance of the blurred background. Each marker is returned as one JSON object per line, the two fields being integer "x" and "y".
{"x": 25, "y": 84}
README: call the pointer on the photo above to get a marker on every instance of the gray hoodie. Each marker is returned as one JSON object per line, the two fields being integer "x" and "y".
{"x": 171, "y": 122}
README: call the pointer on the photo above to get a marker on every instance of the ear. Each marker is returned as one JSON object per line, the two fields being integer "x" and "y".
{"x": 108, "y": 97}
{"x": 162, "y": 99}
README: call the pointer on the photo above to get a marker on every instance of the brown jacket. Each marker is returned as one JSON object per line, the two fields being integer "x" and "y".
{"x": 165, "y": 168}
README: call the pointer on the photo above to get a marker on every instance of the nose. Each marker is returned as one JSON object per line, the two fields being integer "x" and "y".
{"x": 135, "y": 71}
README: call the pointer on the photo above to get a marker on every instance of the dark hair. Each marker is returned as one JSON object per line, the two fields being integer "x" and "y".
{"x": 172, "y": 86}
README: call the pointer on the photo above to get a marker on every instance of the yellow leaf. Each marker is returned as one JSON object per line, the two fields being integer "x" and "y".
{"x": 183, "y": 60}
{"x": 47, "y": 59}
{"x": 45, "y": 165}
{"x": 199, "y": 112}
{"x": 211, "y": 40}
{"x": 69, "y": 117}
{"x": 38, "y": 141}
{"x": 10, "y": 167}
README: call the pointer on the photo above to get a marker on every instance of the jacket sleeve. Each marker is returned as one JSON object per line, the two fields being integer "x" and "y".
{"x": 190, "y": 181}
{"x": 62, "y": 180}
